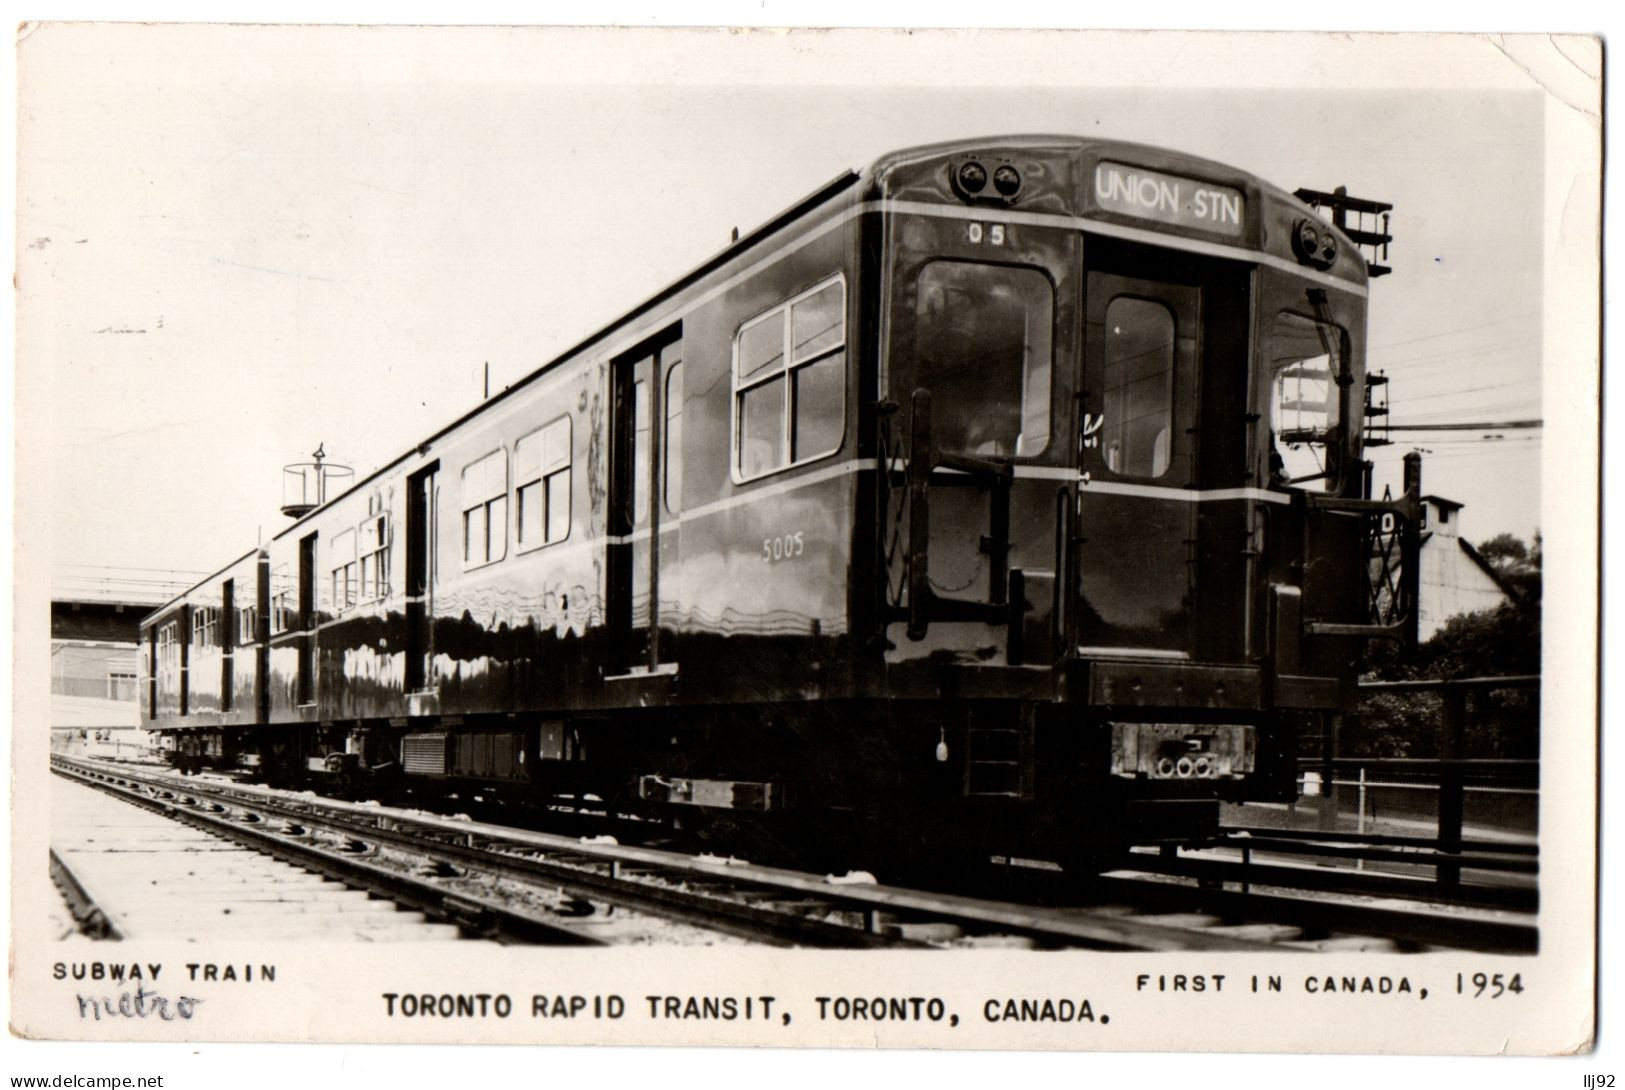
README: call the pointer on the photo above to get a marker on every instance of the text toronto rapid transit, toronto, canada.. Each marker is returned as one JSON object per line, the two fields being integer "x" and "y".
{"x": 747, "y": 1008}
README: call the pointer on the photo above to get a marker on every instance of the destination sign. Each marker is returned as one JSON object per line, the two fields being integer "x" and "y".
{"x": 1168, "y": 198}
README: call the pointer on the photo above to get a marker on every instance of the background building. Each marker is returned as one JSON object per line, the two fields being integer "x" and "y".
{"x": 1455, "y": 579}
{"x": 95, "y": 654}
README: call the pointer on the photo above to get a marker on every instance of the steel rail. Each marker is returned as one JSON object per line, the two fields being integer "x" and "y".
{"x": 90, "y": 917}
{"x": 728, "y": 896}
{"x": 566, "y": 869}
{"x": 873, "y": 907}
{"x": 477, "y": 915}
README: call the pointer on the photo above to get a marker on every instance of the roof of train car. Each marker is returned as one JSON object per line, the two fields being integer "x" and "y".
{"x": 872, "y": 175}
{"x": 1147, "y": 155}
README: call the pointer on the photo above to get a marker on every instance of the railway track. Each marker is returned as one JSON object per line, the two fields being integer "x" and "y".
{"x": 125, "y": 873}
{"x": 518, "y": 885}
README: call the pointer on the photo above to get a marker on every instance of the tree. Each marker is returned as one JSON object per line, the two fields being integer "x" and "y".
{"x": 1504, "y": 550}
{"x": 1499, "y": 642}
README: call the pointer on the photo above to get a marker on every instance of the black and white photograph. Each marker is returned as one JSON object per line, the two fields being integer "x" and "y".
{"x": 932, "y": 539}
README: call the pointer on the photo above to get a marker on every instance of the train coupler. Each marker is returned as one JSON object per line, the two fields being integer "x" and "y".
{"x": 1183, "y": 751}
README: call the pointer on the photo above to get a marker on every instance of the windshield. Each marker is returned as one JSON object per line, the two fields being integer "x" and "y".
{"x": 1306, "y": 402}
{"x": 983, "y": 342}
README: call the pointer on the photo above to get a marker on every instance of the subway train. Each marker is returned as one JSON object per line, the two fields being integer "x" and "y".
{"x": 1006, "y": 495}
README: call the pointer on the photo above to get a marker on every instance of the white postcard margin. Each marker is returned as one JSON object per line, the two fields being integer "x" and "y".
{"x": 323, "y": 994}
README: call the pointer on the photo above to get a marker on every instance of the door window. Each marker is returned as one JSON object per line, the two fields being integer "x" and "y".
{"x": 672, "y": 461}
{"x": 1137, "y": 434}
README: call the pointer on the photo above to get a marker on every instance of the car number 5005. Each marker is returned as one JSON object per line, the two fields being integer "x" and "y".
{"x": 787, "y": 547}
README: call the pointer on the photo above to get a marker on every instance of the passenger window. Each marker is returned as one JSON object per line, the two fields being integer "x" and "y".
{"x": 790, "y": 382}
{"x": 343, "y": 570}
{"x": 203, "y": 627}
{"x": 247, "y": 616}
{"x": 374, "y": 549}
{"x": 282, "y": 599}
{"x": 1137, "y": 436}
{"x": 541, "y": 469}
{"x": 761, "y": 428}
{"x": 169, "y": 659}
{"x": 1306, "y": 402}
{"x": 485, "y": 510}
{"x": 817, "y": 396}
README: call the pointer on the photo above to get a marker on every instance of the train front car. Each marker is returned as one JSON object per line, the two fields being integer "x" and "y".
{"x": 1122, "y": 514}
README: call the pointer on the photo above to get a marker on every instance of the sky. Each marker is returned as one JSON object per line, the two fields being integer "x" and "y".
{"x": 235, "y": 244}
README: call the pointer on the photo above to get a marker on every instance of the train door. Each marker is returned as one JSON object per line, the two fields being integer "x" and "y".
{"x": 1163, "y": 511}
{"x": 422, "y": 531}
{"x": 1137, "y": 524}
{"x": 152, "y": 672}
{"x": 228, "y": 642}
{"x": 307, "y": 620}
{"x": 184, "y": 639}
{"x": 983, "y": 323}
{"x": 262, "y": 639}
{"x": 644, "y": 498}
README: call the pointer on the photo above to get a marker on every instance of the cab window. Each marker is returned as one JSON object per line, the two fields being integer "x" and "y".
{"x": 982, "y": 337}
{"x": 1307, "y": 380}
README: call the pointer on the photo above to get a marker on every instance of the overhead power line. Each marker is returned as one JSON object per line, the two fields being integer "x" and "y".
{"x": 1492, "y": 425}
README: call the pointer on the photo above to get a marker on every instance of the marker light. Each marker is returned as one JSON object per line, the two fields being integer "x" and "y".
{"x": 972, "y": 177}
{"x": 1308, "y": 238}
{"x": 1007, "y": 180}
{"x": 1313, "y": 244}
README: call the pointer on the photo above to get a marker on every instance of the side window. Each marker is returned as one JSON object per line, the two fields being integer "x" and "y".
{"x": 1306, "y": 402}
{"x": 374, "y": 554}
{"x": 790, "y": 382}
{"x": 485, "y": 510}
{"x": 169, "y": 660}
{"x": 541, "y": 472}
{"x": 204, "y": 621}
{"x": 343, "y": 568}
{"x": 246, "y": 618}
{"x": 283, "y": 605}
{"x": 1139, "y": 396}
